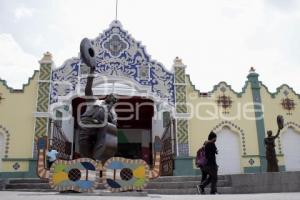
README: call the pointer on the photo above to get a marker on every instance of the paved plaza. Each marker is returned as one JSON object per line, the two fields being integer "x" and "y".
{"x": 7, "y": 195}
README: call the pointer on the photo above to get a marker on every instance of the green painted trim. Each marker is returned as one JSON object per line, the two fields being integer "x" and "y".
{"x": 185, "y": 157}
{"x": 274, "y": 94}
{"x": 256, "y": 156}
{"x": 184, "y": 167}
{"x": 215, "y": 87}
{"x": 257, "y": 169}
{"x": 12, "y": 90}
{"x": 250, "y": 156}
{"x": 260, "y": 123}
{"x": 18, "y": 159}
{"x": 29, "y": 174}
{"x": 250, "y": 170}
{"x": 260, "y": 130}
{"x": 282, "y": 168}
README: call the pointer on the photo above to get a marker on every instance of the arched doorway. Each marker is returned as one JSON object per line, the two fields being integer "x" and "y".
{"x": 291, "y": 149}
{"x": 228, "y": 157}
{"x": 1, "y": 149}
{"x": 134, "y": 126}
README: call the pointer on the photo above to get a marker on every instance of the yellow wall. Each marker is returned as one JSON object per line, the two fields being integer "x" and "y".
{"x": 201, "y": 121}
{"x": 272, "y": 108}
{"x": 17, "y": 116}
{"x": 200, "y": 128}
{"x": 7, "y": 166}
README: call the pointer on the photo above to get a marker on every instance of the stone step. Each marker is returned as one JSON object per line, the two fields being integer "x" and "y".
{"x": 181, "y": 185}
{"x": 162, "y": 185}
{"x": 27, "y": 186}
{"x": 184, "y": 178}
{"x": 169, "y": 191}
{"x": 221, "y": 190}
{"x": 100, "y": 187}
{"x": 32, "y": 190}
{"x": 37, "y": 180}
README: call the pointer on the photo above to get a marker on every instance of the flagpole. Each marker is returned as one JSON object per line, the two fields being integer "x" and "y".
{"x": 116, "y": 9}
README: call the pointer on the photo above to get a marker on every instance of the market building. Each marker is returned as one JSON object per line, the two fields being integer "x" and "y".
{"x": 153, "y": 101}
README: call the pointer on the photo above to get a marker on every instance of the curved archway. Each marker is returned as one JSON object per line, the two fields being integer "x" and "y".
{"x": 290, "y": 147}
{"x": 4, "y": 144}
{"x": 6, "y": 138}
{"x": 1, "y": 149}
{"x": 236, "y": 129}
{"x": 228, "y": 157}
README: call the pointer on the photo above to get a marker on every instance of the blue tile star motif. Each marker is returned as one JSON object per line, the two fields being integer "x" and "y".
{"x": 115, "y": 45}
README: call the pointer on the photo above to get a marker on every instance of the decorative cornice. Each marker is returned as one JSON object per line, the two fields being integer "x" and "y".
{"x": 117, "y": 24}
{"x": 131, "y": 60}
{"x": 238, "y": 94}
{"x": 278, "y": 89}
{"x": 12, "y": 90}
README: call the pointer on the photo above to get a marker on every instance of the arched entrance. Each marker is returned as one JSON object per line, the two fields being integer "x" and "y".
{"x": 1, "y": 149}
{"x": 134, "y": 126}
{"x": 128, "y": 72}
{"x": 291, "y": 149}
{"x": 228, "y": 157}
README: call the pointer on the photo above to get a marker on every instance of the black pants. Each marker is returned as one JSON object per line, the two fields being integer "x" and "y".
{"x": 212, "y": 173}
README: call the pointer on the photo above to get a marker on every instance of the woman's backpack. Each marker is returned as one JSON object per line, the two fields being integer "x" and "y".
{"x": 201, "y": 160}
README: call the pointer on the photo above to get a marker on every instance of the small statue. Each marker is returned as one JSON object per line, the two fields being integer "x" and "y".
{"x": 98, "y": 132}
{"x": 270, "y": 147}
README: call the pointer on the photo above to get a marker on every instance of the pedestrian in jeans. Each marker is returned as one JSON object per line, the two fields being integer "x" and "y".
{"x": 210, "y": 170}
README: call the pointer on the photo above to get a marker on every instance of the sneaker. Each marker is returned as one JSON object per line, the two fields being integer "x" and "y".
{"x": 214, "y": 193}
{"x": 200, "y": 189}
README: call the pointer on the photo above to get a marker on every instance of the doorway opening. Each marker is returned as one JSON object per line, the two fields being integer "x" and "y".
{"x": 134, "y": 126}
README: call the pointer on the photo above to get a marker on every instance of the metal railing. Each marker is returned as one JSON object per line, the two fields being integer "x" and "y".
{"x": 59, "y": 142}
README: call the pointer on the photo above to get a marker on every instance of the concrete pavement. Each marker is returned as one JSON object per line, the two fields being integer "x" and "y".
{"x": 14, "y": 195}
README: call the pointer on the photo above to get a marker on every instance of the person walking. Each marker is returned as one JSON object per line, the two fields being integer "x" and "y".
{"x": 210, "y": 169}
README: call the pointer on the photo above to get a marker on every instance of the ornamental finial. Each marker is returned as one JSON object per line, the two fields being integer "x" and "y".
{"x": 252, "y": 70}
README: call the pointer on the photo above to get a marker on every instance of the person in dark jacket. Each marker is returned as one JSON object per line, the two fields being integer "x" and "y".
{"x": 210, "y": 170}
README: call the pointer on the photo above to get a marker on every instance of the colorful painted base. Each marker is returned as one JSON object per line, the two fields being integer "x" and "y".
{"x": 122, "y": 174}
{"x": 81, "y": 175}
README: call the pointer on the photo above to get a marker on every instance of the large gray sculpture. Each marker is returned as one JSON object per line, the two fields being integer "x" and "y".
{"x": 272, "y": 161}
{"x": 98, "y": 132}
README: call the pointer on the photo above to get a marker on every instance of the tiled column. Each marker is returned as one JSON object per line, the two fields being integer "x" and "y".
{"x": 42, "y": 115}
{"x": 181, "y": 109}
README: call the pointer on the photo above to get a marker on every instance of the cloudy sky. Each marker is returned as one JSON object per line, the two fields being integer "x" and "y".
{"x": 218, "y": 40}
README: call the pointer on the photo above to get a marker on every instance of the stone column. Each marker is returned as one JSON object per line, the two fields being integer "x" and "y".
{"x": 43, "y": 98}
{"x": 260, "y": 124}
